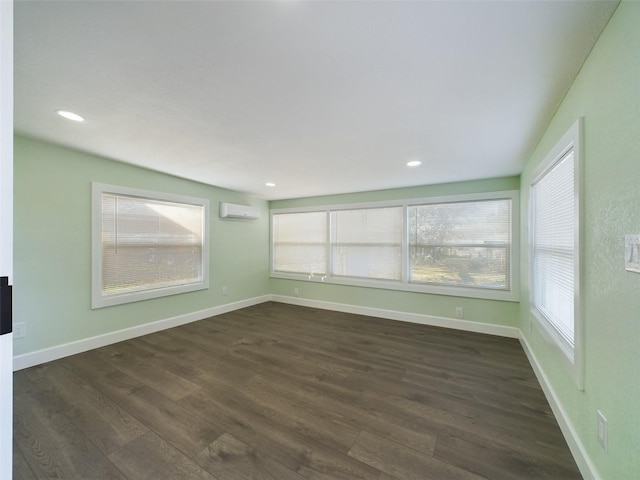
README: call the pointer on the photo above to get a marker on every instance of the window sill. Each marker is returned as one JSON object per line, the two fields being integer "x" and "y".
{"x": 469, "y": 292}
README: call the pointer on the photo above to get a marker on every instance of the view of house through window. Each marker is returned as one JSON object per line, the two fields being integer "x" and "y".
{"x": 147, "y": 245}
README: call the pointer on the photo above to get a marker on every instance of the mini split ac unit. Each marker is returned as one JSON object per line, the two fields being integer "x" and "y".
{"x": 232, "y": 210}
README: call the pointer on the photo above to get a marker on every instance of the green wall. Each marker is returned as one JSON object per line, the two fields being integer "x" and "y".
{"x": 479, "y": 310}
{"x": 607, "y": 94}
{"x": 52, "y": 256}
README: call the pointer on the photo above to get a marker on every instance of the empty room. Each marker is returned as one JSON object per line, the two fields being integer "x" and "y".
{"x": 306, "y": 240}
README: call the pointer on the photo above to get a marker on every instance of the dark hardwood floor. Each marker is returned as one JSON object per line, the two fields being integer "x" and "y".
{"x": 282, "y": 392}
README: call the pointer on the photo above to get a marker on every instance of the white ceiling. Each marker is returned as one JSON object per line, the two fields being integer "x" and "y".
{"x": 318, "y": 97}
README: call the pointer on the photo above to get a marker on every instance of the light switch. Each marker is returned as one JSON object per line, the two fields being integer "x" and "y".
{"x": 632, "y": 253}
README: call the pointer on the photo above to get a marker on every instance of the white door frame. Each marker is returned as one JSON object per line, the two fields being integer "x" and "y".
{"x": 6, "y": 229}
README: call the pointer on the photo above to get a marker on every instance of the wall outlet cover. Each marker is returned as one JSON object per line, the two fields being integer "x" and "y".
{"x": 632, "y": 253}
{"x": 19, "y": 330}
{"x": 603, "y": 435}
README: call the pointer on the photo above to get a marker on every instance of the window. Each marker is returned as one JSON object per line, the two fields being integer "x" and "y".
{"x": 555, "y": 249}
{"x": 367, "y": 243}
{"x": 459, "y": 245}
{"x": 300, "y": 243}
{"x": 147, "y": 245}
{"x": 463, "y": 244}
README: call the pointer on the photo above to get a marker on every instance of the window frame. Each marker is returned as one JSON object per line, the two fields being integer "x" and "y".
{"x": 98, "y": 299}
{"x": 512, "y": 294}
{"x": 571, "y": 358}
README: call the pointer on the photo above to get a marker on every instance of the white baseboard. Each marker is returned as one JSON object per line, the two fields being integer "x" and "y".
{"x": 60, "y": 351}
{"x": 455, "y": 323}
{"x": 580, "y": 455}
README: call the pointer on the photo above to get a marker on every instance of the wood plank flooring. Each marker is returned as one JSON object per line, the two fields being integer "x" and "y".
{"x": 283, "y": 392}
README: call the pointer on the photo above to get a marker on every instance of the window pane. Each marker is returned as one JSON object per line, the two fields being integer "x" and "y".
{"x": 464, "y": 244}
{"x": 461, "y": 266}
{"x": 300, "y": 242}
{"x": 554, "y": 246}
{"x": 367, "y": 243}
{"x": 148, "y": 244}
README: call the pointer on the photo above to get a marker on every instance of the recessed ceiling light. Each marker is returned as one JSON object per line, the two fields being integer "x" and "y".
{"x": 270, "y": 184}
{"x": 70, "y": 115}
{"x": 414, "y": 163}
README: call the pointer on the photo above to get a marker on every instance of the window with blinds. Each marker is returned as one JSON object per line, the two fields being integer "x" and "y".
{"x": 554, "y": 214}
{"x": 147, "y": 244}
{"x": 367, "y": 243}
{"x": 300, "y": 242}
{"x": 555, "y": 250}
{"x": 462, "y": 244}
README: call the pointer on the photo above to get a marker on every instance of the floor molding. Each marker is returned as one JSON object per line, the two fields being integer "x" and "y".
{"x": 579, "y": 452}
{"x": 457, "y": 324}
{"x": 37, "y": 357}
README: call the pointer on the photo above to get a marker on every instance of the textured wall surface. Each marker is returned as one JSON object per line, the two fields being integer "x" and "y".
{"x": 607, "y": 94}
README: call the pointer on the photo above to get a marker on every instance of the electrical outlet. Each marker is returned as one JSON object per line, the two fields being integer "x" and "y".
{"x": 225, "y": 291}
{"x": 459, "y": 312}
{"x": 603, "y": 434}
{"x": 296, "y": 292}
{"x": 19, "y": 330}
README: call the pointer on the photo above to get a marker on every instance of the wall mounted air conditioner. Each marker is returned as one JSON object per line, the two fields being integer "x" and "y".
{"x": 232, "y": 210}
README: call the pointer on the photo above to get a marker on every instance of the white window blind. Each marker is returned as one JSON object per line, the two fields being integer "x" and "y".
{"x": 300, "y": 242}
{"x": 554, "y": 248}
{"x": 462, "y": 244}
{"x": 459, "y": 245}
{"x": 146, "y": 247}
{"x": 367, "y": 243}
